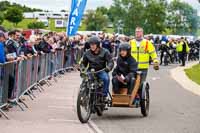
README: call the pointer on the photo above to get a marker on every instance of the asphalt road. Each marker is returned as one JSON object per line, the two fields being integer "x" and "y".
{"x": 172, "y": 110}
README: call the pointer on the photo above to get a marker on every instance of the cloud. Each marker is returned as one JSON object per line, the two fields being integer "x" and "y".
{"x": 57, "y": 5}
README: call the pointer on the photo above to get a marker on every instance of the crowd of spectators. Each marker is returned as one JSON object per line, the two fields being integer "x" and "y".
{"x": 14, "y": 45}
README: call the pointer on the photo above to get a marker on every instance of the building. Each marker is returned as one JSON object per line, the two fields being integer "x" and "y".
{"x": 46, "y": 15}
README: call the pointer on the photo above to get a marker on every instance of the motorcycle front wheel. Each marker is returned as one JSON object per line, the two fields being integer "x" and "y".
{"x": 83, "y": 106}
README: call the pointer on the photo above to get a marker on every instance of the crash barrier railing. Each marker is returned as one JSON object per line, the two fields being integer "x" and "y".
{"x": 17, "y": 78}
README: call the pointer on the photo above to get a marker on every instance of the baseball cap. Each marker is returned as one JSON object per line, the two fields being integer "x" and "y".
{"x": 2, "y": 35}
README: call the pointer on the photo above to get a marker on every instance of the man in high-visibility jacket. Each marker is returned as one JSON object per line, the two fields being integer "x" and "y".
{"x": 142, "y": 50}
{"x": 182, "y": 48}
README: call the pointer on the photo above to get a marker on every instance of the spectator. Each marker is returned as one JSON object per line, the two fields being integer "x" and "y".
{"x": 44, "y": 45}
{"x": 107, "y": 44}
{"x": 27, "y": 49}
{"x": 2, "y": 29}
{"x": 117, "y": 44}
{"x": 86, "y": 45}
{"x": 52, "y": 43}
{"x": 12, "y": 45}
{"x": 2, "y": 50}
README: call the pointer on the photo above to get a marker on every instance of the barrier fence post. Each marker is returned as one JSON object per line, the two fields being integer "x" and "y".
{"x": 18, "y": 78}
{"x": 199, "y": 53}
{"x": 3, "y": 90}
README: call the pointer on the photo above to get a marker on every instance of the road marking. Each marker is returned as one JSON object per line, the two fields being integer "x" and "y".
{"x": 94, "y": 127}
{"x": 155, "y": 78}
{"x": 76, "y": 121}
{"x": 60, "y": 98}
{"x": 61, "y": 107}
{"x": 63, "y": 120}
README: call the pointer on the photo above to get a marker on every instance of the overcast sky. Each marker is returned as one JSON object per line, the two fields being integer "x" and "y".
{"x": 57, "y": 5}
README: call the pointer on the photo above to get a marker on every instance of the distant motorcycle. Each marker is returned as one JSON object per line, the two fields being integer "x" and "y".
{"x": 193, "y": 54}
{"x": 174, "y": 55}
{"x": 166, "y": 59}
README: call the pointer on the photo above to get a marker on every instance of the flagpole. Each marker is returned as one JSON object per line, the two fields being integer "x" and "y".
{"x": 68, "y": 17}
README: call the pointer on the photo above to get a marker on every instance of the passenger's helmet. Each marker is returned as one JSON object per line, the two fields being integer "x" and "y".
{"x": 125, "y": 46}
{"x": 94, "y": 40}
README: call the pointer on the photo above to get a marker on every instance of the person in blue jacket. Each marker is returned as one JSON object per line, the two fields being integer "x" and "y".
{"x": 2, "y": 50}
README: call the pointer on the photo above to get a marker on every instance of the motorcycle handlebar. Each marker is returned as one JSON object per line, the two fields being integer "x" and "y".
{"x": 92, "y": 71}
{"x": 95, "y": 72}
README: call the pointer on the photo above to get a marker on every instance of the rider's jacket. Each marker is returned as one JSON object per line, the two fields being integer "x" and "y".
{"x": 170, "y": 45}
{"x": 164, "y": 47}
{"x": 143, "y": 53}
{"x": 182, "y": 47}
{"x": 126, "y": 66}
{"x": 97, "y": 61}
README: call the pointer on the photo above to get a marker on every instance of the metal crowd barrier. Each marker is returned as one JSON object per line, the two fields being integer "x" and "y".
{"x": 17, "y": 78}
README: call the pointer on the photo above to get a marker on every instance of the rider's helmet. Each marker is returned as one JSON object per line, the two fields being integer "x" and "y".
{"x": 125, "y": 46}
{"x": 94, "y": 40}
{"x": 163, "y": 43}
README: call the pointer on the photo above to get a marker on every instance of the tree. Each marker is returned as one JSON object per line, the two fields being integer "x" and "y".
{"x": 182, "y": 19}
{"x": 134, "y": 15}
{"x": 155, "y": 16}
{"x": 95, "y": 21}
{"x": 36, "y": 25}
{"x": 103, "y": 10}
{"x": 1, "y": 18}
{"x": 129, "y": 12}
{"x": 4, "y": 5}
{"x": 14, "y": 15}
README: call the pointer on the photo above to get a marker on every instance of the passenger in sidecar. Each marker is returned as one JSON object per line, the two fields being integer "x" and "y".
{"x": 124, "y": 74}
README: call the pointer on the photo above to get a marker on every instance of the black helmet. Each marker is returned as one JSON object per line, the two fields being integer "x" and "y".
{"x": 125, "y": 46}
{"x": 94, "y": 40}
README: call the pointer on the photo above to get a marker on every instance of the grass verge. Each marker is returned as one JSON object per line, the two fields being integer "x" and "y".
{"x": 194, "y": 73}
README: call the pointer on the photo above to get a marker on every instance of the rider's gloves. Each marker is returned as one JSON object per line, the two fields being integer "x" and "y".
{"x": 156, "y": 66}
{"x": 82, "y": 74}
{"x": 107, "y": 69}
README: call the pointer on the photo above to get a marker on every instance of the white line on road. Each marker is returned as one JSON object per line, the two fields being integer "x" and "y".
{"x": 94, "y": 127}
{"x": 63, "y": 120}
{"x": 61, "y": 107}
{"x": 155, "y": 78}
{"x": 75, "y": 121}
{"x": 60, "y": 98}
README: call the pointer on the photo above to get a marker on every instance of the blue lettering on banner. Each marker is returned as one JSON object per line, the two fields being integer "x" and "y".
{"x": 76, "y": 14}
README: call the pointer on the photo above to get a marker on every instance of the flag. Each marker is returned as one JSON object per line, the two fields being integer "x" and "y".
{"x": 76, "y": 14}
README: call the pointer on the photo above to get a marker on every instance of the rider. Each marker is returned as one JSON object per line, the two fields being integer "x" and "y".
{"x": 124, "y": 73}
{"x": 182, "y": 49}
{"x": 164, "y": 47}
{"x": 142, "y": 50}
{"x": 98, "y": 58}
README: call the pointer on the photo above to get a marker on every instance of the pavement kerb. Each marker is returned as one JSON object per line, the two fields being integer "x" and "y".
{"x": 178, "y": 74}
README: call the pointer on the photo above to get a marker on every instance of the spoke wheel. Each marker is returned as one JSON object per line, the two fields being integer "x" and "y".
{"x": 145, "y": 102}
{"x": 83, "y": 106}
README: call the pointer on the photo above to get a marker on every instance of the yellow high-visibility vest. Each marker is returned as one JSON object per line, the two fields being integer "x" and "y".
{"x": 179, "y": 47}
{"x": 143, "y": 53}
